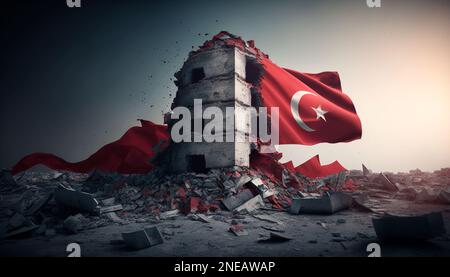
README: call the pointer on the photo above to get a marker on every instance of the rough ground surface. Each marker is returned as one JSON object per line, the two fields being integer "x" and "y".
{"x": 146, "y": 201}
{"x": 185, "y": 237}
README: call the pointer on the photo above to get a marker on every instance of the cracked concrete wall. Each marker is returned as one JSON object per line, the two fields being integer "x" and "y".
{"x": 217, "y": 155}
{"x": 216, "y": 61}
{"x": 221, "y": 84}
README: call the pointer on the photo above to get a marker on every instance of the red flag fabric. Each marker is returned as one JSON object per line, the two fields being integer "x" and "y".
{"x": 313, "y": 169}
{"x": 312, "y": 107}
{"x": 271, "y": 167}
{"x": 130, "y": 154}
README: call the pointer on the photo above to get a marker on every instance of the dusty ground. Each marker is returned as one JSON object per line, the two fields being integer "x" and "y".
{"x": 352, "y": 231}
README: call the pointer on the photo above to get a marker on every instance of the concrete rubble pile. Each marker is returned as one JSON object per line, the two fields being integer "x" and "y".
{"x": 47, "y": 204}
{"x": 377, "y": 190}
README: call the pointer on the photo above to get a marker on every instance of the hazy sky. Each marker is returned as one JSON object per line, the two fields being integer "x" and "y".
{"x": 73, "y": 80}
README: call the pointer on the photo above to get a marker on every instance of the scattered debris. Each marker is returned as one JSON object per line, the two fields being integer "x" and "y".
{"x": 406, "y": 228}
{"x": 20, "y": 231}
{"x": 143, "y": 238}
{"x": 384, "y": 180}
{"x": 238, "y": 230}
{"x": 258, "y": 185}
{"x": 114, "y": 218}
{"x": 200, "y": 217}
{"x": 327, "y": 204}
{"x": 109, "y": 209}
{"x": 75, "y": 199}
{"x": 267, "y": 218}
{"x": 169, "y": 214}
{"x": 427, "y": 195}
{"x": 108, "y": 201}
{"x": 154, "y": 236}
{"x": 366, "y": 171}
{"x": 444, "y": 197}
{"x": 235, "y": 201}
{"x": 39, "y": 204}
{"x": 158, "y": 196}
{"x": 251, "y": 205}
{"x": 275, "y": 237}
{"x": 275, "y": 228}
{"x": 244, "y": 179}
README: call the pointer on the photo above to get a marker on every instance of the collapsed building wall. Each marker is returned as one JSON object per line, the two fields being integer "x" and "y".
{"x": 217, "y": 76}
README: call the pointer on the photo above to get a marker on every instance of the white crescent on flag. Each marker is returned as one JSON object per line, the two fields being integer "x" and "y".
{"x": 295, "y": 100}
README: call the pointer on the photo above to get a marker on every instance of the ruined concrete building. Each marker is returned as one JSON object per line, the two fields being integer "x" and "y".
{"x": 221, "y": 76}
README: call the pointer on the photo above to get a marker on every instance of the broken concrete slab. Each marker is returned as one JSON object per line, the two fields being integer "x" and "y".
{"x": 228, "y": 184}
{"x": 22, "y": 231}
{"x": 409, "y": 194}
{"x": 154, "y": 235}
{"x": 143, "y": 238}
{"x": 296, "y": 205}
{"x": 258, "y": 185}
{"x": 360, "y": 202}
{"x": 76, "y": 199}
{"x": 114, "y": 217}
{"x": 366, "y": 172}
{"x": 244, "y": 179}
{"x": 169, "y": 214}
{"x": 136, "y": 240}
{"x": 235, "y": 201}
{"x": 108, "y": 201}
{"x": 200, "y": 217}
{"x": 267, "y": 218}
{"x": 275, "y": 228}
{"x": 275, "y": 237}
{"x": 409, "y": 228}
{"x": 251, "y": 205}
{"x": 327, "y": 204}
{"x": 39, "y": 204}
{"x": 387, "y": 184}
{"x": 110, "y": 209}
{"x": 427, "y": 195}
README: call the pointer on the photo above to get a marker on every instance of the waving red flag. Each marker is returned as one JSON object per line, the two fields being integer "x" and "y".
{"x": 313, "y": 109}
{"x": 130, "y": 154}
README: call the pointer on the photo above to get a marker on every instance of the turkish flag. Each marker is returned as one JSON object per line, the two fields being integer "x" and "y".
{"x": 312, "y": 107}
{"x": 130, "y": 154}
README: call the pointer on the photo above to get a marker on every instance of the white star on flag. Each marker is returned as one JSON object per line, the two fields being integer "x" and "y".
{"x": 320, "y": 112}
